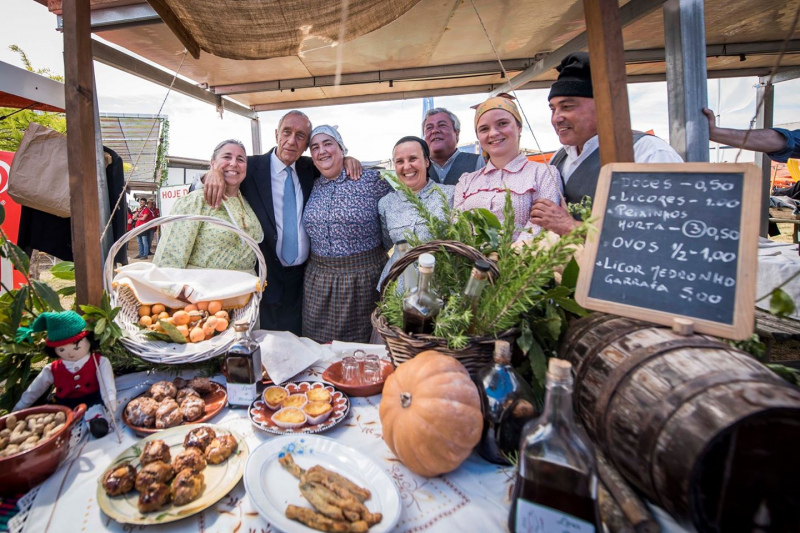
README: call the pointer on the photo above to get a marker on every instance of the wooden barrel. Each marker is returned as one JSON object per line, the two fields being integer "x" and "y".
{"x": 702, "y": 429}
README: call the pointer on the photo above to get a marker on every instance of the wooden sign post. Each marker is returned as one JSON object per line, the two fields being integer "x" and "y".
{"x": 677, "y": 245}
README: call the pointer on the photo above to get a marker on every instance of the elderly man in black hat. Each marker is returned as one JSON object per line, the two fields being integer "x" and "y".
{"x": 575, "y": 121}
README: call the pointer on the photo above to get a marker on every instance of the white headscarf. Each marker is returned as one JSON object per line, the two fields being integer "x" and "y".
{"x": 333, "y": 132}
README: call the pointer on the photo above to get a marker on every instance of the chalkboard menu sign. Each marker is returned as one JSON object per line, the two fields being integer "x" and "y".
{"x": 675, "y": 241}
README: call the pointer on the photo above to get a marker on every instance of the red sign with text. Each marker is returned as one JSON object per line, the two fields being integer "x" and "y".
{"x": 10, "y": 277}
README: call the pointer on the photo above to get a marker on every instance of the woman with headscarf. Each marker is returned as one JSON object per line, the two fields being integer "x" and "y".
{"x": 498, "y": 126}
{"x": 347, "y": 255}
{"x": 399, "y": 217}
{"x": 190, "y": 244}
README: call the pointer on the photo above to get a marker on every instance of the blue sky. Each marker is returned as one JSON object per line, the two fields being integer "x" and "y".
{"x": 369, "y": 130}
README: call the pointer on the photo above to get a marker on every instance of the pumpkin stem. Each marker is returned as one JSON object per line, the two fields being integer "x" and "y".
{"x": 405, "y": 399}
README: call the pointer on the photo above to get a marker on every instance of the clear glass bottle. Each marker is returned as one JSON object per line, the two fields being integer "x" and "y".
{"x": 556, "y": 486}
{"x": 409, "y": 278}
{"x": 422, "y": 305}
{"x": 472, "y": 292}
{"x": 507, "y": 402}
{"x": 243, "y": 364}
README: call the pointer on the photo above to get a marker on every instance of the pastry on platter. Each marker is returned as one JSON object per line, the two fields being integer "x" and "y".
{"x": 168, "y": 414}
{"x": 319, "y": 394}
{"x": 201, "y": 385}
{"x": 155, "y": 450}
{"x": 295, "y": 400}
{"x": 180, "y": 383}
{"x": 163, "y": 389}
{"x": 199, "y": 438}
{"x": 187, "y": 486}
{"x": 220, "y": 449}
{"x": 141, "y": 411}
{"x": 119, "y": 480}
{"x": 154, "y": 497}
{"x": 155, "y": 472}
{"x": 192, "y": 408}
{"x": 317, "y": 412}
{"x": 191, "y": 458}
{"x": 289, "y": 418}
{"x": 274, "y": 396}
{"x": 184, "y": 393}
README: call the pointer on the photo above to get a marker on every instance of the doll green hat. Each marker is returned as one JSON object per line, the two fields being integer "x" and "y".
{"x": 66, "y": 327}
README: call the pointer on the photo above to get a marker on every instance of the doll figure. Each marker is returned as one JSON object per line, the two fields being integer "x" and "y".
{"x": 80, "y": 375}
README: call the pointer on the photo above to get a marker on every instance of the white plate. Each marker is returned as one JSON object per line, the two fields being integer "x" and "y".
{"x": 271, "y": 488}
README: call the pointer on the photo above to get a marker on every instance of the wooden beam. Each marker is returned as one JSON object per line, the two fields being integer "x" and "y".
{"x": 79, "y": 100}
{"x": 177, "y": 27}
{"x": 607, "y": 58}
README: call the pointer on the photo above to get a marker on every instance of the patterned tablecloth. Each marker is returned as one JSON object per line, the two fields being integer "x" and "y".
{"x": 473, "y": 498}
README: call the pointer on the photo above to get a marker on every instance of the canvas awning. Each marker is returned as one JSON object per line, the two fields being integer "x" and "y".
{"x": 410, "y": 48}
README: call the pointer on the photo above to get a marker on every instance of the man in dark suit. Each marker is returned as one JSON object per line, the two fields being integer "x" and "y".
{"x": 441, "y": 129}
{"x": 274, "y": 181}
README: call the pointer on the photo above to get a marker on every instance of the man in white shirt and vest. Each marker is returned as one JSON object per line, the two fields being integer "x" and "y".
{"x": 441, "y": 128}
{"x": 575, "y": 121}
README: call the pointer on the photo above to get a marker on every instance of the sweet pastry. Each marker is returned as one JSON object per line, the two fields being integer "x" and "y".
{"x": 317, "y": 412}
{"x": 201, "y": 385}
{"x": 184, "y": 392}
{"x": 168, "y": 414}
{"x": 186, "y": 486}
{"x": 141, "y": 411}
{"x": 289, "y": 418}
{"x": 274, "y": 396}
{"x": 220, "y": 449}
{"x": 155, "y": 450}
{"x": 180, "y": 383}
{"x": 119, "y": 480}
{"x": 154, "y": 497}
{"x": 199, "y": 438}
{"x": 191, "y": 458}
{"x": 155, "y": 472}
{"x": 295, "y": 400}
{"x": 318, "y": 394}
{"x": 163, "y": 389}
{"x": 192, "y": 408}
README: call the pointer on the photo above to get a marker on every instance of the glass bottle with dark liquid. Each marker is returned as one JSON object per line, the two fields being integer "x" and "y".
{"x": 422, "y": 305}
{"x": 243, "y": 362}
{"x": 472, "y": 292}
{"x": 556, "y": 486}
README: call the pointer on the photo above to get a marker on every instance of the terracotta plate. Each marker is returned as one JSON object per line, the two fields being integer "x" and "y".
{"x": 333, "y": 374}
{"x": 219, "y": 480}
{"x": 215, "y": 401}
{"x": 261, "y": 415}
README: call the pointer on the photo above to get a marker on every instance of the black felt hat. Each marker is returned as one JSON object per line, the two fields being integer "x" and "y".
{"x": 574, "y": 77}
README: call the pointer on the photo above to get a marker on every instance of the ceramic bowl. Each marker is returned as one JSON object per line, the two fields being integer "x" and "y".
{"x": 21, "y": 472}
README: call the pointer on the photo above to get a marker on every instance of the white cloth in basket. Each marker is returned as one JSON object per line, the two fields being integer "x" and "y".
{"x": 175, "y": 287}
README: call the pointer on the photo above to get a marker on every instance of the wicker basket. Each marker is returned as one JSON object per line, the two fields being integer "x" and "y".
{"x": 403, "y": 346}
{"x": 157, "y": 351}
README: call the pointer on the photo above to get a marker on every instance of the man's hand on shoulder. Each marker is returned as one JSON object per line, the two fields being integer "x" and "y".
{"x": 353, "y": 167}
{"x": 552, "y": 217}
{"x": 214, "y": 186}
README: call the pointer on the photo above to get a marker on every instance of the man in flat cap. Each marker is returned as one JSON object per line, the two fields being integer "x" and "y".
{"x": 575, "y": 121}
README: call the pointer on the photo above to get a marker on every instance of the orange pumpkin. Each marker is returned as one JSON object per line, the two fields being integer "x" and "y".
{"x": 431, "y": 414}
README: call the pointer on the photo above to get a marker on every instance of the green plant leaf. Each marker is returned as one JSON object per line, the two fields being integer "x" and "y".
{"x": 525, "y": 339}
{"x": 64, "y": 270}
{"x": 18, "y": 305}
{"x": 571, "y": 305}
{"x": 47, "y": 294}
{"x": 172, "y": 331}
{"x": 91, "y": 310}
{"x": 155, "y": 335}
{"x": 569, "y": 278}
{"x": 780, "y": 303}
{"x": 18, "y": 258}
{"x": 538, "y": 362}
{"x": 66, "y": 291}
{"x": 100, "y": 326}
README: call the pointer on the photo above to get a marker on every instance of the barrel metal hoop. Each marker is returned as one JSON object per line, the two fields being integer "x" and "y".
{"x": 625, "y": 369}
{"x": 605, "y": 340}
{"x": 677, "y": 397}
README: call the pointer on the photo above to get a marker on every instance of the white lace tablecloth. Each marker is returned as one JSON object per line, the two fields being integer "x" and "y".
{"x": 473, "y": 498}
{"x": 777, "y": 262}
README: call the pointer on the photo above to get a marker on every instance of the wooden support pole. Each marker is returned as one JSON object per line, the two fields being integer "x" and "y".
{"x": 78, "y": 96}
{"x": 607, "y": 57}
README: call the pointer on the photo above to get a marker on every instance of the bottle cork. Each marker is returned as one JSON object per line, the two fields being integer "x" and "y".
{"x": 241, "y": 325}
{"x": 559, "y": 369}
{"x": 502, "y": 352}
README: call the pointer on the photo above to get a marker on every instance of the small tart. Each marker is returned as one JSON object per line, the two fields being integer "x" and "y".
{"x": 317, "y": 412}
{"x": 319, "y": 394}
{"x": 274, "y": 396}
{"x": 289, "y": 418}
{"x": 295, "y": 400}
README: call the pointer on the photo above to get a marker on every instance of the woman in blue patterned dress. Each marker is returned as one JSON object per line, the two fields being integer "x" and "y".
{"x": 412, "y": 161}
{"x": 347, "y": 253}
